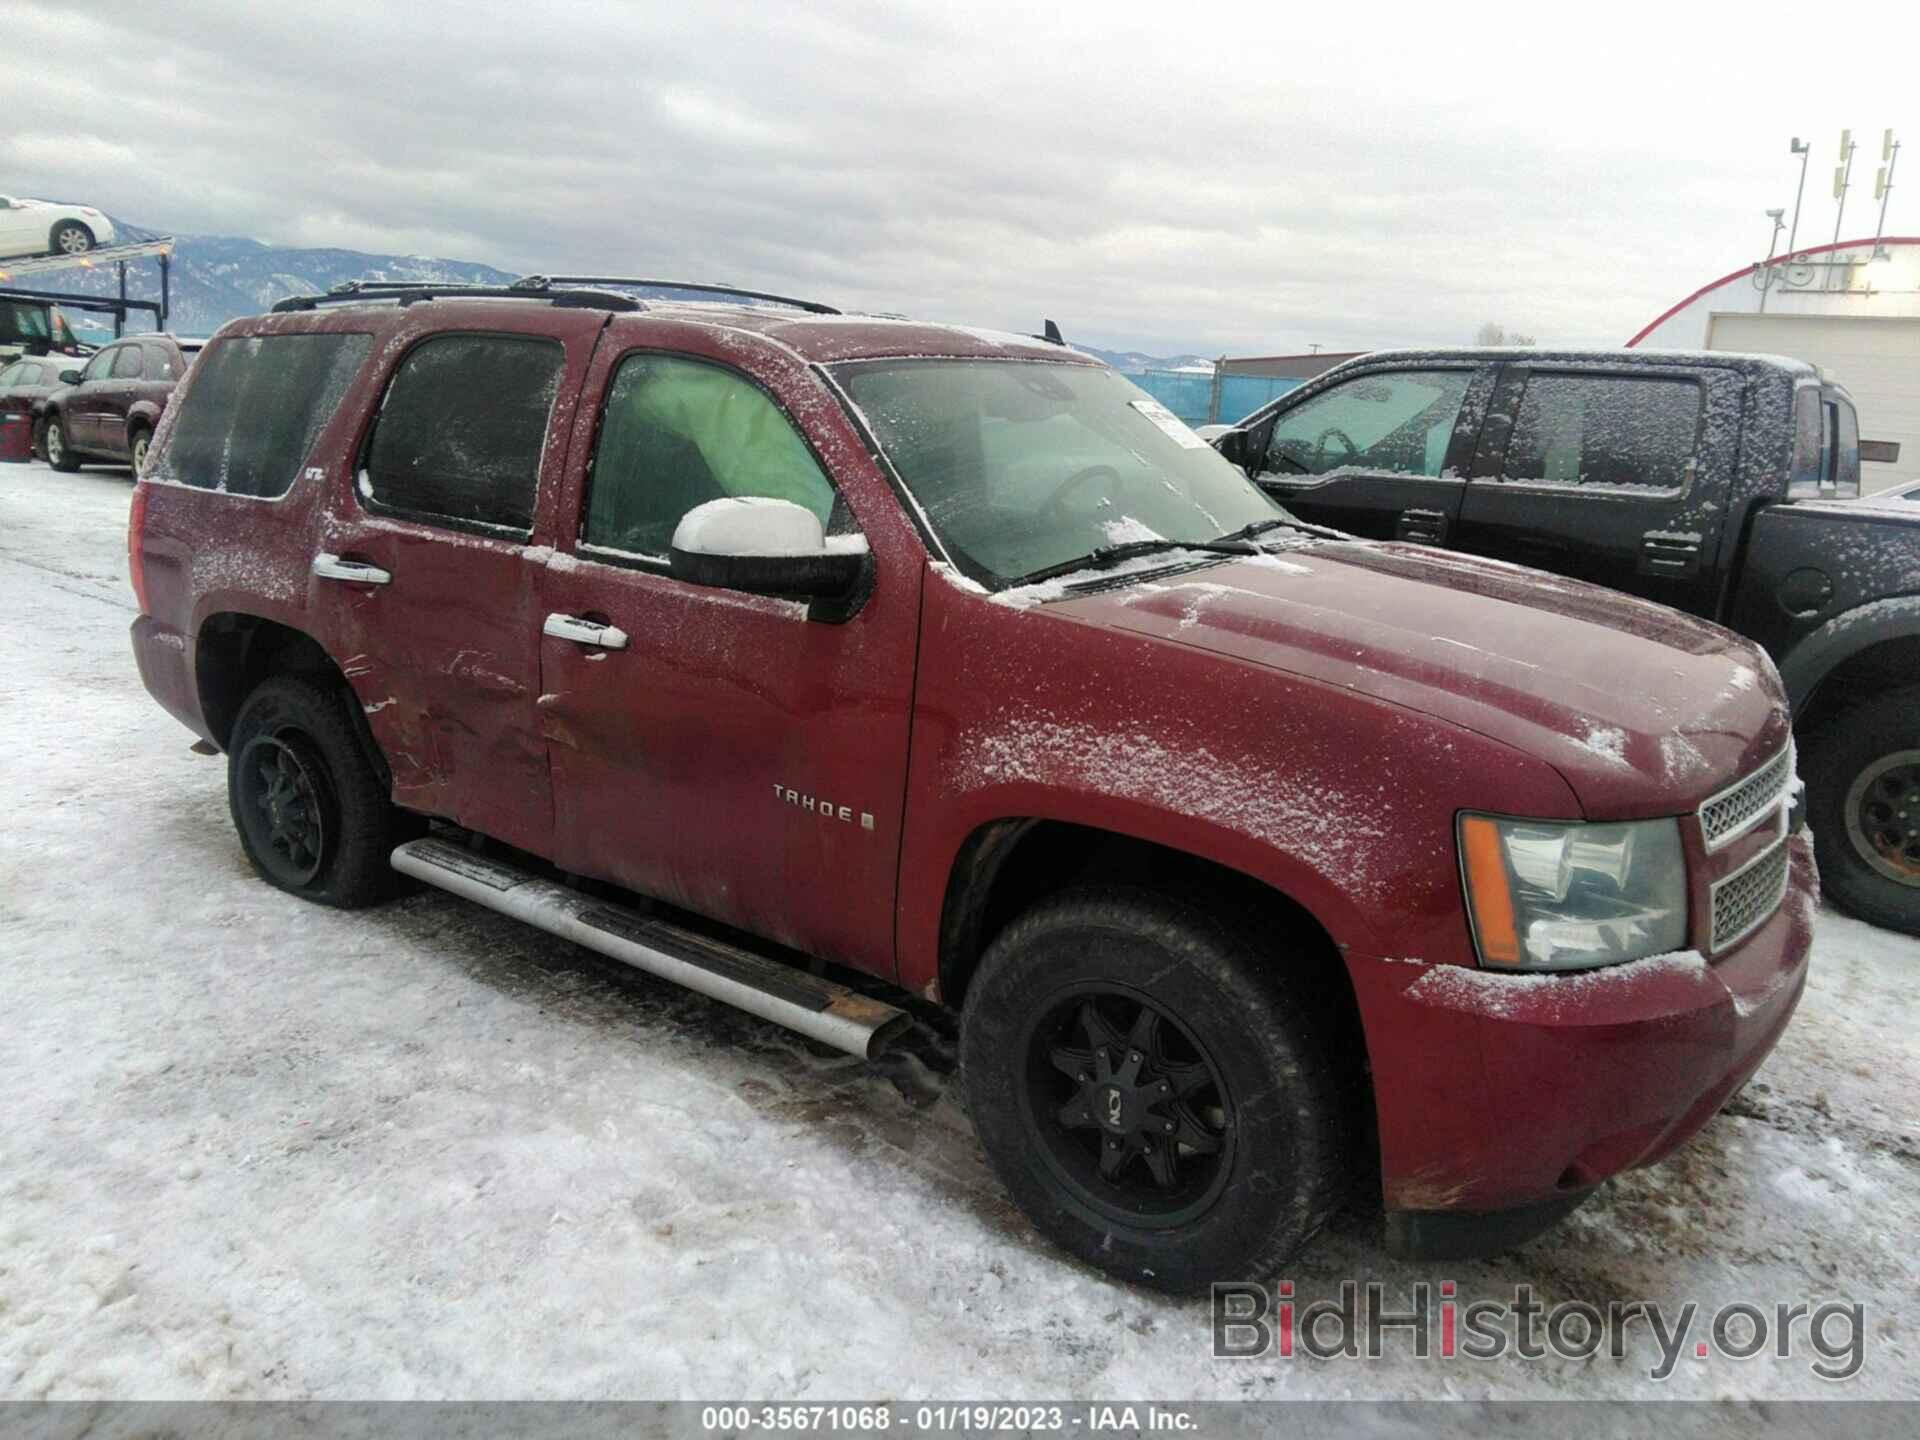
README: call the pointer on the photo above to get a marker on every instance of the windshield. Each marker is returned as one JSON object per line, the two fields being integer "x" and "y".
{"x": 1021, "y": 466}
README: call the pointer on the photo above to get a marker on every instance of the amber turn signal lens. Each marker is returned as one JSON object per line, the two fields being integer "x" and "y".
{"x": 1488, "y": 892}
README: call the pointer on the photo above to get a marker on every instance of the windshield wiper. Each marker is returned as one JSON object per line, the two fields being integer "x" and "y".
{"x": 1261, "y": 527}
{"x": 1105, "y": 557}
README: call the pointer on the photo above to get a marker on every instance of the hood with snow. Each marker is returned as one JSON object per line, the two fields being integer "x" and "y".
{"x": 1644, "y": 711}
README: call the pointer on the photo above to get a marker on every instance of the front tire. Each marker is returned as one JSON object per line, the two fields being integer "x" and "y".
{"x": 70, "y": 237}
{"x": 59, "y": 451}
{"x": 1151, "y": 1089}
{"x": 1863, "y": 800}
{"x": 310, "y": 809}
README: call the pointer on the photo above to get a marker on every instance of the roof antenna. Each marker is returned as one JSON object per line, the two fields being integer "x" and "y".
{"x": 1051, "y": 334}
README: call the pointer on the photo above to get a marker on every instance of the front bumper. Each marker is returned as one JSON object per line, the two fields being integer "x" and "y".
{"x": 1505, "y": 1099}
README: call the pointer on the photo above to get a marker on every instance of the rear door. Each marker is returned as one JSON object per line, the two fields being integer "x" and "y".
{"x": 1380, "y": 454}
{"x": 423, "y": 571}
{"x": 1617, "y": 476}
{"x": 125, "y": 384}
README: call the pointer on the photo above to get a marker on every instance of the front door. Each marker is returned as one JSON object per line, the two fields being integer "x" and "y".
{"x": 1609, "y": 476}
{"x": 423, "y": 570}
{"x": 1380, "y": 454}
{"x": 725, "y": 752}
{"x": 83, "y": 407}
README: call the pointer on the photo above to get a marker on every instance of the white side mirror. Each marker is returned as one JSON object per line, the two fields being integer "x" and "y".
{"x": 750, "y": 525}
{"x": 770, "y": 547}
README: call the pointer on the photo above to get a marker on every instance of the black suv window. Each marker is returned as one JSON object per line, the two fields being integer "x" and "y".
{"x": 1400, "y": 422}
{"x": 254, "y": 409}
{"x": 460, "y": 434}
{"x": 1604, "y": 430}
{"x": 677, "y": 433}
{"x": 126, "y": 363}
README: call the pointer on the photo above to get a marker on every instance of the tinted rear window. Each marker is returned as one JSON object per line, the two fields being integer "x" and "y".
{"x": 460, "y": 434}
{"x": 1604, "y": 430}
{"x": 255, "y": 408}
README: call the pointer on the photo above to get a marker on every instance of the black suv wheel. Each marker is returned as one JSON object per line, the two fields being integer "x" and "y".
{"x": 311, "y": 811}
{"x": 1150, "y": 1091}
{"x": 1863, "y": 800}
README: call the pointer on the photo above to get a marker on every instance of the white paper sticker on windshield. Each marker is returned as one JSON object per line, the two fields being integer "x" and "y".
{"x": 1174, "y": 427}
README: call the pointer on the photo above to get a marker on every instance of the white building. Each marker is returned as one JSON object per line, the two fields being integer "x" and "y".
{"x": 1850, "y": 308}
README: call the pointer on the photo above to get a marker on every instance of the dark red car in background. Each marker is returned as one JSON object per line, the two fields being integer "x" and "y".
{"x": 110, "y": 414}
{"x": 26, "y": 384}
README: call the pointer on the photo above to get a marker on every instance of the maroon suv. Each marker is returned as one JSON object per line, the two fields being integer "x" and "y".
{"x": 740, "y": 643}
{"x": 112, "y": 411}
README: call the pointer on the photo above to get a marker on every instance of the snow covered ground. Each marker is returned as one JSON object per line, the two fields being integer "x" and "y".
{"x": 252, "y": 1148}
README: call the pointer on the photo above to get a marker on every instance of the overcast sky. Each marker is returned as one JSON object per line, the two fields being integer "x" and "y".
{"x": 1245, "y": 180}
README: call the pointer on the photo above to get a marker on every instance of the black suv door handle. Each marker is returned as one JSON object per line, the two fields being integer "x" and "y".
{"x": 1668, "y": 552}
{"x": 1422, "y": 527}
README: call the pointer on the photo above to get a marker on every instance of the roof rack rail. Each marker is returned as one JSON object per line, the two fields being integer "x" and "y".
{"x": 407, "y": 292}
{"x": 543, "y": 282}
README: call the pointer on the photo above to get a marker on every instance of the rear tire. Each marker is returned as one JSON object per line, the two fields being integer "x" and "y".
{"x": 309, "y": 806}
{"x": 59, "y": 452}
{"x": 1209, "y": 1142}
{"x": 1863, "y": 801}
{"x": 137, "y": 444}
{"x": 70, "y": 237}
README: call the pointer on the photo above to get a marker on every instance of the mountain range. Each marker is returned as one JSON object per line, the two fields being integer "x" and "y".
{"x": 218, "y": 277}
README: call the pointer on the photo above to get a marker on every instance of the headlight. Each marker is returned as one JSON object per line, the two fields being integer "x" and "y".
{"x": 1549, "y": 895}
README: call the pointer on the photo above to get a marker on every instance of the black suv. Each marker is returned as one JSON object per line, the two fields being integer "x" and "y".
{"x": 1726, "y": 485}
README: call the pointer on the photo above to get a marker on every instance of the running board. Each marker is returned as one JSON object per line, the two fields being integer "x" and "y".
{"x": 817, "y": 1008}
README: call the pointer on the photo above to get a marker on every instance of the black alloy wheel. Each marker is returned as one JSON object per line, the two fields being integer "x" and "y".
{"x": 286, "y": 806}
{"x": 1883, "y": 816}
{"x": 1128, "y": 1109}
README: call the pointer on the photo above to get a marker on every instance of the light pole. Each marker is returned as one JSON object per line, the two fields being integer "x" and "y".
{"x": 1883, "y": 186}
{"x": 1842, "y": 179}
{"x": 1803, "y": 150}
{"x": 1766, "y": 271}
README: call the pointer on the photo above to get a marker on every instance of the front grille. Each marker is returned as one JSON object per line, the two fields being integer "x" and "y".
{"x": 1743, "y": 900}
{"x": 1727, "y": 816}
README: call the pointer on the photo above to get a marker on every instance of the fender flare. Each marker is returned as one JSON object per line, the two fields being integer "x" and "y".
{"x": 1823, "y": 650}
{"x": 143, "y": 413}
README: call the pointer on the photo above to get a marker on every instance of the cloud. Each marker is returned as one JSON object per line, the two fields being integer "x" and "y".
{"x": 1227, "y": 179}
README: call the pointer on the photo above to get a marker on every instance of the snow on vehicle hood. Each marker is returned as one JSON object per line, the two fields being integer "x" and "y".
{"x": 1644, "y": 710}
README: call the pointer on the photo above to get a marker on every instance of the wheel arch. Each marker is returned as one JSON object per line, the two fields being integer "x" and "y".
{"x": 1871, "y": 647}
{"x": 53, "y": 231}
{"x": 234, "y": 651}
{"x": 1006, "y": 865}
{"x": 1009, "y": 864}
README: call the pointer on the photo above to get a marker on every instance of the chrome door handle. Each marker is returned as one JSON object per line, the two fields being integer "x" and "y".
{"x": 329, "y": 566}
{"x": 585, "y": 632}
